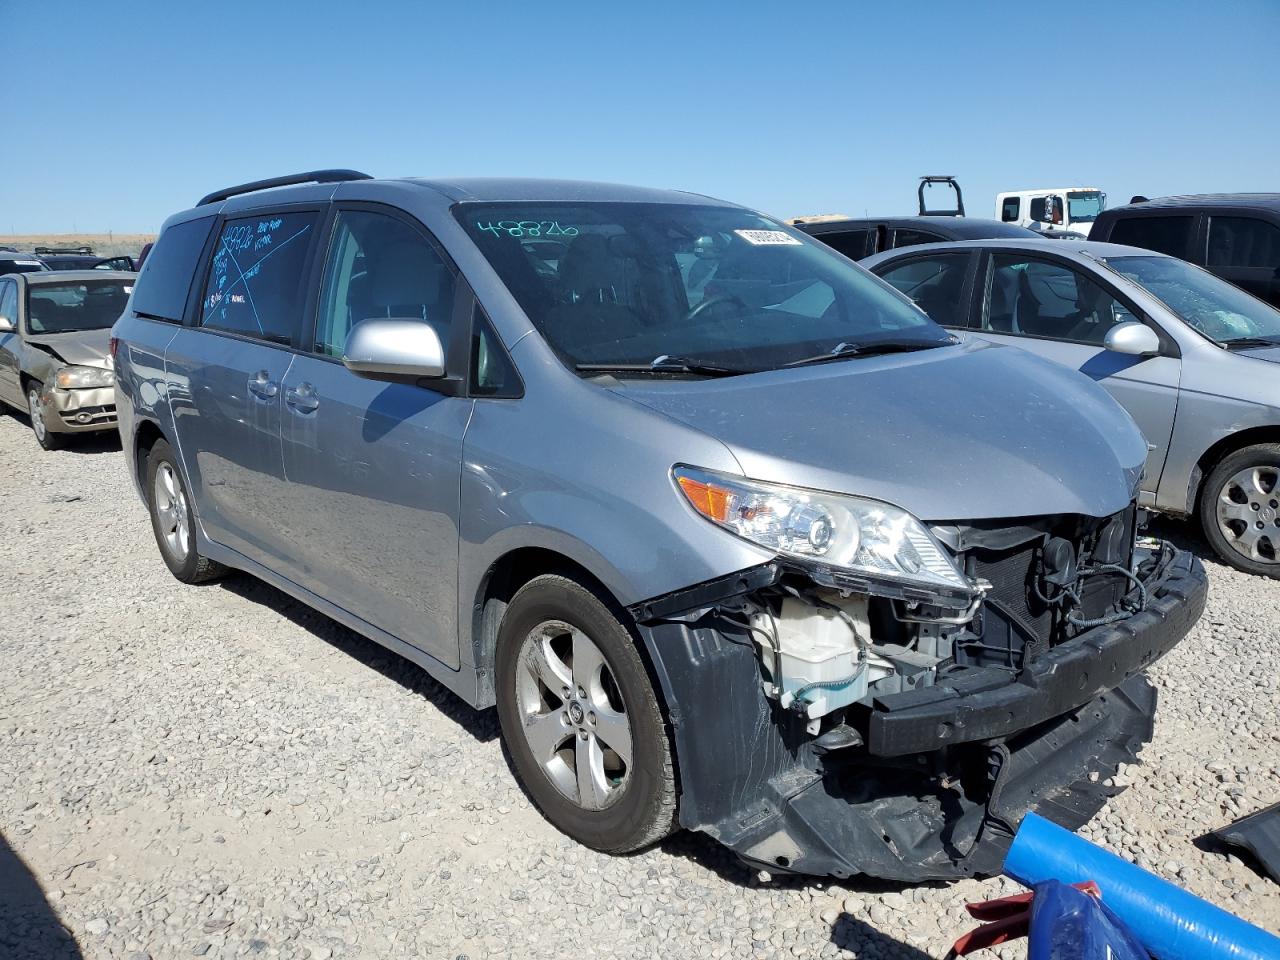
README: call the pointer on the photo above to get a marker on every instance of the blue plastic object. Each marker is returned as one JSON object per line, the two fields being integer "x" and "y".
{"x": 1067, "y": 924}
{"x": 1169, "y": 922}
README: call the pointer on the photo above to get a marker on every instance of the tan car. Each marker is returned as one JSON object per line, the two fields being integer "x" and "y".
{"x": 55, "y": 360}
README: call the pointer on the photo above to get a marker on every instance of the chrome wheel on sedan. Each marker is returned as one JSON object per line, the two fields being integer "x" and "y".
{"x": 573, "y": 717}
{"x": 1248, "y": 511}
{"x": 170, "y": 502}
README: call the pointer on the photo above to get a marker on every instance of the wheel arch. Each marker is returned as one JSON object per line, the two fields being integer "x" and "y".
{"x": 1221, "y": 448}
{"x": 144, "y": 438}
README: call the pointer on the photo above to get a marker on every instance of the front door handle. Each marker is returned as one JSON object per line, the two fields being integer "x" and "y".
{"x": 302, "y": 398}
{"x": 262, "y": 386}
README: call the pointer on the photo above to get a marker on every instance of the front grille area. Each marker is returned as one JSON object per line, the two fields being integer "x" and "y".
{"x": 1016, "y": 620}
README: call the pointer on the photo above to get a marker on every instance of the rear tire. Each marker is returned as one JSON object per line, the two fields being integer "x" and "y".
{"x": 47, "y": 439}
{"x": 572, "y": 689}
{"x": 1240, "y": 509}
{"x": 172, "y": 520}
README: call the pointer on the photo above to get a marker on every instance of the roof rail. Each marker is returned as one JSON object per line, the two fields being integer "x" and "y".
{"x": 311, "y": 176}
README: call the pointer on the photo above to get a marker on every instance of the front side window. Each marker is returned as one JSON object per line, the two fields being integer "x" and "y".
{"x": 1171, "y": 235}
{"x": 255, "y": 281}
{"x": 380, "y": 267}
{"x": 78, "y": 305}
{"x": 634, "y": 283}
{"x": 1085, "y": 205}
{"x": 1009, "y": 209}
{"x": 935, "y": 283}
{"x": 1218, "y": 309}
{"x": 1038, "y": 298}
{"x": 1243, "y": 242}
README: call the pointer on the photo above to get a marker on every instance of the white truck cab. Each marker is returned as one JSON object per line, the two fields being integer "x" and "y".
{"x": 1059, "y": 209}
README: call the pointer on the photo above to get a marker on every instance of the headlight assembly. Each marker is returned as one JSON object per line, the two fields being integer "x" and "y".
{"x": 852, "y": 535}
{"x": 75, "y": 378}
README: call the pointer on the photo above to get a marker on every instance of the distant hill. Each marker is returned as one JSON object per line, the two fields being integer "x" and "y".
{"x": 104, "y": 244}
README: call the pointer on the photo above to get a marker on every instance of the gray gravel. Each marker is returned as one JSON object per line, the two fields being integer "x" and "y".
{"x": 220, "y": 772}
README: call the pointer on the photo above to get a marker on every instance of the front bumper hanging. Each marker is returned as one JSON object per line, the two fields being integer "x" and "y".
{"x": 945, "y": 773}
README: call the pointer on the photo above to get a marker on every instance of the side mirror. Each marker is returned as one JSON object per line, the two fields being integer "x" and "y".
{"x": 6, "y": 325}
{"x": 394, "y": 348}
{"x": 1133, "y": 338}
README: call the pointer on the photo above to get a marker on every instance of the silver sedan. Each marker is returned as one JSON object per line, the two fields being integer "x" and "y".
{"x": 1187, "y": 354}
{"x": 55, "y": 361}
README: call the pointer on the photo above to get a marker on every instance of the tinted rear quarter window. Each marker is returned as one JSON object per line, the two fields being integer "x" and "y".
{"x": 904, "y": 237}
{"x": 1171, "y": 235}
{"x": 165, "y": 280}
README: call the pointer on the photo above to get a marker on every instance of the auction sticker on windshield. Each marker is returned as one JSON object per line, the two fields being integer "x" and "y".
{"x": 766, "y": 238}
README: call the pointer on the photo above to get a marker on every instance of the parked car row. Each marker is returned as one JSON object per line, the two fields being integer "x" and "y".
{"x": 732, "y": 534}
{"x": 15, "y": 261}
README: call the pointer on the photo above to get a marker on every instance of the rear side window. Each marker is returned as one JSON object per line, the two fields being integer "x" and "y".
{"x": 1243, "y": 242}
{"x": 909, "y": 238}
{"x": 165, "y": 279}
{"x": 255, "y": 281}
{"x": 1171, "y": 235}
{"x": 9, "y": 301}
{"x": 852, "y": 243}
{"x": 935, "y": 283}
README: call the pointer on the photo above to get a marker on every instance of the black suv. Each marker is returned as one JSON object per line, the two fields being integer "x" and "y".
{"x": 1235, "y": 235}
{"x": 861, "y": 238}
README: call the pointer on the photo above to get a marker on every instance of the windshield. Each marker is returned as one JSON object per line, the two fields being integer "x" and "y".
{"x": 82, "y": 305}
{"x": 1085, "y": 204}
{"x": 632, "y": 283}
{"x": 1220, "y": 310}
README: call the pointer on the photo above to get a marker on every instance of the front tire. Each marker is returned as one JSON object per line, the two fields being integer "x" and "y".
{"x": 581, "y": 719}
{"x": 172, "y": 520}
{"x": 47, "y": 439}
{"x": 1240, "y": 509}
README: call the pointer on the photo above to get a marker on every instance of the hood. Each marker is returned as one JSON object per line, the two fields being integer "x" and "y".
{"x": 969, "y": 432}
{"x": 1261, "y": 353}
{"x": 89, "y": 348}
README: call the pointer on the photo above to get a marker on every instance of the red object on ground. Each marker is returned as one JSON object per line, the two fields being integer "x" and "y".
{"x": 1004, "y": 919}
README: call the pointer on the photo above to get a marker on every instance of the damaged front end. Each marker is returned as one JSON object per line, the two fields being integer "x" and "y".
{"x": 834, "y": 724}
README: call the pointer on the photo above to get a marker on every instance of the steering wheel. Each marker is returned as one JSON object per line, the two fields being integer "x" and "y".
{"x": 700, "y": 308}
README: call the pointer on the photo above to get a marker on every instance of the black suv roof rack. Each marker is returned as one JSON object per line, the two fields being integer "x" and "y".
{"x": 941, "y": 180}
{"x": 311, "y": 176}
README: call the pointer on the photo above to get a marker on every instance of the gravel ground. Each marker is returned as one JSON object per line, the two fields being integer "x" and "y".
{"x": 218, "y": 771}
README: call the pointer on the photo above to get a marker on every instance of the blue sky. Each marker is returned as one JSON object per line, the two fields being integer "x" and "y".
{"x": 788, "y": 107}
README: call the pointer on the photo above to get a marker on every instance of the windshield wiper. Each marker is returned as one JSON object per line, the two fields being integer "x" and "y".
{"x": 844, "y": 349}
{"x": 663, "y": 364}
{"x": 1244, "y": 343}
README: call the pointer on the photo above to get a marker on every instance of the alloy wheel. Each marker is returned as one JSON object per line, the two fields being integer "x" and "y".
{"x": 36, "y": 408}
{"x": 171, "y": 511}
{"x": 572, "y": 715}
{"x": 1249, "y": 513}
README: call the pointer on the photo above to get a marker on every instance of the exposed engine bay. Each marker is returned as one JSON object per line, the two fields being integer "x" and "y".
{"x": 826, "y": 647}
{"x": 857, "y": 728}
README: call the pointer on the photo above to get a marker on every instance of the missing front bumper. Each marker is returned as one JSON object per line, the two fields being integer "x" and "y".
{"x": 915, "y": 802}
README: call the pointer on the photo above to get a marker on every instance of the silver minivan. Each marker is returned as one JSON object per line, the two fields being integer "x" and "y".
{"x": 1189, "y": 355}
{"x": 733, "y": 536}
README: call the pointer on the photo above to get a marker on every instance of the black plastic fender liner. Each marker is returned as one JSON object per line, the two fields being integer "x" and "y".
{"x": 1259, "y": 834}
{"x": 749, "y": 777}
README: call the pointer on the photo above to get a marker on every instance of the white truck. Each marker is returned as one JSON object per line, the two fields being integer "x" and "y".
{"x": 1057, "y": 210}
